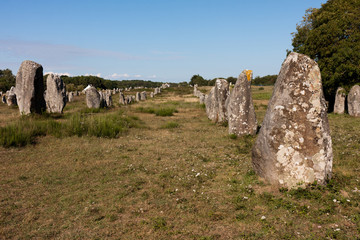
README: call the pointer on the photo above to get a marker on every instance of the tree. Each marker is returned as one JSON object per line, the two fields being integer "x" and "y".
{"x": 331, "y": 36}
{"x": 199, "y": 80}
{"x": 7, "y": 80}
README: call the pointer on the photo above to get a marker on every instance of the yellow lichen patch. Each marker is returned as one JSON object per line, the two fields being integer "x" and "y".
{"x": 248, "y": 74}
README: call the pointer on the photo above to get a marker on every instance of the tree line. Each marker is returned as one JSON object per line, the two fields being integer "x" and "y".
{"x": 263, "y": 81}
{"x": 7, "y": 80}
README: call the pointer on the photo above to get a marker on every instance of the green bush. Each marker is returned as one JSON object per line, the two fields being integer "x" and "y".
{"x": 170, "y": 125}
{"x": 163, "y": 112}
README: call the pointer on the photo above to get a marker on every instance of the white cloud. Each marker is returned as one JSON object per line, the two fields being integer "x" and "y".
{"x": 60, "y": 74}
{"x": 152, "y": 76}
{"x": 137, "y": 75}
{"x": 90, "y": 74}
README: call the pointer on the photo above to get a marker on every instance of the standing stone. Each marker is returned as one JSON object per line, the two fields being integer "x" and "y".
{"x": 70, "y": 96}
{"x": 30, "y": 88}
{"x": 195, "y": 90}
{"x": 143, "y": 96}
{"x": 92, "y": 98}
{"x": 339, "y": 106}
{"x": 215, "y": 102}
{"x": 202, "y": 98}
{"x": 137, "y": 97}
{"x": 11, "y": 97}
{"x": 122, "y": 99}
{"x": 128, "y": 99}
{"x": 354, "y": 101}
{"x": 108, "y": 99}
{"x": 152, "y": 94}
{"x": 240, "y": 108}
{"x": 294, "y": 144}
{"x": 55, "y": 96}
{"x": 3, "y": 98}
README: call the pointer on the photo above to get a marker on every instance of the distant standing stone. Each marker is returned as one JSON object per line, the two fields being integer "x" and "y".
{"x": 11, "y": 97}
{"x": 92, "y": 98}
{"x": 70, "y": 96}
{"x": 294, "y": 144}
{"x": 339, "y": 106}
{"x": 354, "y": 101}
{"x": 240, "y": 108}
{"x": 202, "y": 98}
{"x": 108, "y": 99}
{"x": 137, "y": 97}
{"x": 143, "y": 96}
{"x": 122, "y": 99}
{"x": 215, "y": 102}
{"x": 152, "y": 94}
{"x": 3, "y": 98}
{"x": 55, "y": 96}
{"x": 30, "y": 88}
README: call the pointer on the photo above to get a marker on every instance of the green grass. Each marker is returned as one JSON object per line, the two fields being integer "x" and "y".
{"x": 28, "y": 128}
{"x": 161, "y": 110}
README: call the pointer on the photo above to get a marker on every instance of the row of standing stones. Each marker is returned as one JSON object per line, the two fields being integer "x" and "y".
{"x": 30, "y": 96}
{"x": 293, "y": 147}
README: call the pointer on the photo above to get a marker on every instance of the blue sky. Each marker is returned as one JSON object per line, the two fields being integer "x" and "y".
{"x": 159, "y": 40}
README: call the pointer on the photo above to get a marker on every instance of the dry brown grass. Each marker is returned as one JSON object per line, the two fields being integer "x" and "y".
{"x": 189, "y": 182}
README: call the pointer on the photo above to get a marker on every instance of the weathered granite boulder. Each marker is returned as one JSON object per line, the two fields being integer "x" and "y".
{"x": 137, "y": 97}
{"x": 294, "y": 145}
{"x": 339, "y": 106}
{"x": 143, "y": 96}
{"x": 92, "y": 98}
{"x": 11, "y": 99}
{"x": 55, "y": 96}
{"x": 30, "y": 88}
{"x": 152, "y": 94}
{"x": 354, "y": 101}
{"x": 122, "y": 99}
{"x": 240, "y": 108}
{"x": 215, "y": 102}
{"x": 128, "y": 99}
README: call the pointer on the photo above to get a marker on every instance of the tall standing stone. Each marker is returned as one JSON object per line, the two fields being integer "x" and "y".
{"x": 202, "y": 98}
{"x": 354, "y": 101}
{"x": 92, "y": 98}
{"x": 240, "y": 108}
{"x": 152, "y": 94}
{"x": 11, "y": 97}
{"x": 55, "y": 96}
{"x": 3, "y": 98}
{"x": 339, "y": 106}
{"x": 30, "y": 88}
{"x": 294, "y": 144}
{"x": 215, "y": 102}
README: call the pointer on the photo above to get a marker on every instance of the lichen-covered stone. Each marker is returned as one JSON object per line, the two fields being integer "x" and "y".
{"x": 339, "y": 106}
{"x": 55, "y": 96}
{"x": 202, "y": 98}
{"x": 92, "y": 98}
{"x": 354, "y": 101}
{"x": 294, "y": 144}
{"x": 152, "y": 94}
{"x": 30, "y": 88}
{"x": 215, "y": 101}
{"x": 240, "y": 108}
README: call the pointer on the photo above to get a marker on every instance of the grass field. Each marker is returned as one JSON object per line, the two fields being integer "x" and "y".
{"x": 166, "y": 176}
